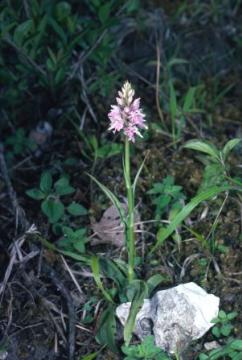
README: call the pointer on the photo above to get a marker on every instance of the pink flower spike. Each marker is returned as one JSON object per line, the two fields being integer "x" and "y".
{"x": 120, "y": 101}
{"x": 135, "y": 105}
{"x": 116, "y": 119}
{"x": 130, "y": 132}
{"x": 127, "y": 114}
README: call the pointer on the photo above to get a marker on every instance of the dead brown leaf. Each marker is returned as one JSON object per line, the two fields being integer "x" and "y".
{"x": 110, "y": 230}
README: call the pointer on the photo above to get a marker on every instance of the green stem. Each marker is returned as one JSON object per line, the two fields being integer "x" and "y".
{"x": 177, "y": 356}
{"x": 130, "y": 238}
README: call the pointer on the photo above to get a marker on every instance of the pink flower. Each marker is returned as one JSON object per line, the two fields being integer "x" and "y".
{"x": 127, "y": 114}
{"x": 115, "y": 115}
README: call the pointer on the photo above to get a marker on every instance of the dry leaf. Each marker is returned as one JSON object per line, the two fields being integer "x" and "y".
{"x": 110, "y": 230}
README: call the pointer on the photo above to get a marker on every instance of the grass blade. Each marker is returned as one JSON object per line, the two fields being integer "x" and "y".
{"x": 138, "y": 173}
{"x": 82, "y": 258}
{"x": 93, "y": 355}
{"x": 141, "y": 292}
{"x": 229, "y": 146}
{"x": 111, "y": 197}
{"x": 97, "y": 277}
{"x": 203, "y": 147}
{"x": 189, "y": 99}
{"x": 163, "y": 234}
{"x": 106, "y": 328}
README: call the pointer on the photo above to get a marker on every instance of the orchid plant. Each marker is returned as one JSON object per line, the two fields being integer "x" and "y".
{"x": 127, "y": 118}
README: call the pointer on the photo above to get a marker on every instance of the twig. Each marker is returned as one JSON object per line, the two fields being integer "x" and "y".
{"x": 71, "y": 310}
{"x": 16, "y": 208}
{"x": 128, "y": 69}
{"x": 20, "y": 163}
{"x": 72, "y": 275}
{"x": 26, "y": 8}
{"x": 16, "y": 256}
{"x": 84, "y": 96}
{"x": 29, "y": 60}
{"x": 49, "y": 306}
{"x": 217, "y": 217}
{"x": 186, "y": 263}
{"x": 84, "y": 329}
{"x": 10, "y": 312}
{"x": 83, "y": 57}
{"x": 25, "y": 328}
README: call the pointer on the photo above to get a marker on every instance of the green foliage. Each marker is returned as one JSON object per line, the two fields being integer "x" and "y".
{"x": 50, "y": 194}
{"x": 203, "y": 147}
{"x": 43, "y": 47}
{"x": 217, "y": 168}
{"x": 62, "y": 187}
{"x": 76, "y": 209}
{"x": 232, "y": 350}
{"x": 97, "y": 277}
{"x": 97, "y": 149}
{"x": 179, "y": 107}
{"x": 166, "y": 195}
{"x": 74, "y": 240}
{"x": 154, "y": 281}
{"x": 146, "y": 351}
{"x": 115, "y": 270}
{"x": 110, "y": 195}
{"x": 178, "y": 112}
{"x": 164, "y": 233}
{"x": 213, "y": 175}
{"x": 105, "y": 149}
{"x": 139, "y": 293}
{"x": 107, "y": 328}
{"x": 228, "y": 147}
{"x": 18, "y": 144}
{"x": 48, "y": 48}
{"x": 93, "y": 355}
{"x": 217, "y": 172}
{"x": 43, "y": 39}
{"x": 229, "y": 347}
{"x": 108, "y": 150}
{"x": 223, "y": 325}
{"x": 89, "y": 310}
{"x": 53, "y": 208}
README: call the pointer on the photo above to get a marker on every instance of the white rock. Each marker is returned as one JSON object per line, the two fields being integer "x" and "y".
{"x": 212, "y": 345}
{"x": 175, "y": 316}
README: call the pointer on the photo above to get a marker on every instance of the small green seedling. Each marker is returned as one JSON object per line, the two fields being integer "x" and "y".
{"x": 166, "y": 195}
{"x": 88, "y": 314}
{"x": 232, "y": 350}
{"x": 18, "y": 144}
{"x": 228, "y": 346}
{"x": 50, "y": 194}
{"x": 223, "y": 325}
{"x": 147, "y": 350}
{"x": 217, "y": 168}
{"x": 104, "y": 150}
{"x": 180, "y": 109}
{"x": 73, "y": 240}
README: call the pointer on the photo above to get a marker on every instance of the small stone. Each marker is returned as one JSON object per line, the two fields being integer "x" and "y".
{"x": 3, "y": 355}
{"x": 211, "y": 345}
{"x": 41, "y": 137}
